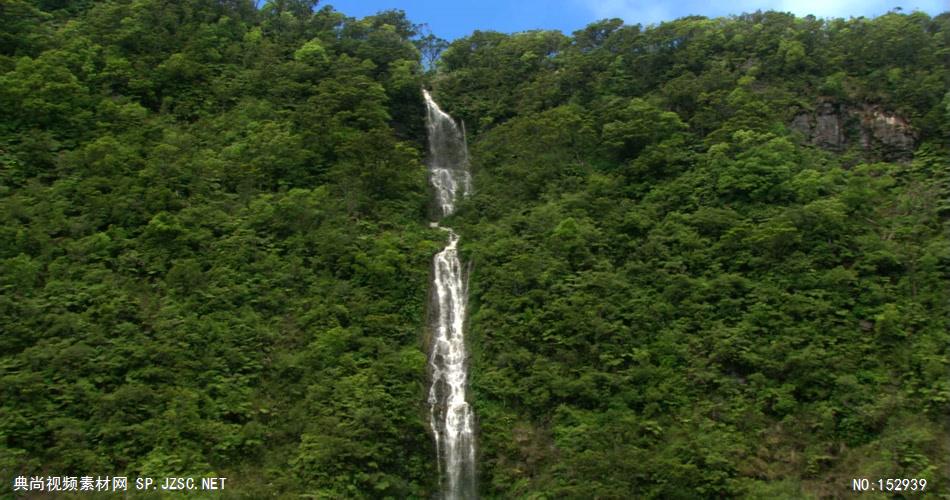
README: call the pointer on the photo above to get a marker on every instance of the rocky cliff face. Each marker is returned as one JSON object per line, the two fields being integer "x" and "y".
{"x": 880, "y": 134}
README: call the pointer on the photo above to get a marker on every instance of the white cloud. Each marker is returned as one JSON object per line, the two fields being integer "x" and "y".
{"x": 848, "y": 8}
{"x": 653, "y": 11}
{"x": 631, "y": 11}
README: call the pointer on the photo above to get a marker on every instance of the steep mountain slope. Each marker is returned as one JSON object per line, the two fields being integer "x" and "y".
{"x": 214, "y": 251}
{"x": 710, "y": 257}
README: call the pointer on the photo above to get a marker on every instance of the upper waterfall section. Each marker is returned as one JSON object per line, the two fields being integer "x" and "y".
{"x": 448, "y": 158}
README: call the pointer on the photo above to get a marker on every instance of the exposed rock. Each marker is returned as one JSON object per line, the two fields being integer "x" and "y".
{"x": 837, "y": 127}
{"x": 889, "y": 132}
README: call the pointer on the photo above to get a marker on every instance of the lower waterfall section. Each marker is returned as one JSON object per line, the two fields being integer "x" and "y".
{"x": 450, "y": 415}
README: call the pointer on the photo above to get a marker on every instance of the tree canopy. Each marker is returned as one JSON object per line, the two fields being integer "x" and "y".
{"x": 709, "y": 258}
{"x": 688, "y": 283}
{"x": 213, "y": 252}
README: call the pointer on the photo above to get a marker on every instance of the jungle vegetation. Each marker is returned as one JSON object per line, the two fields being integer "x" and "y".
{"x": 215, "y": 251}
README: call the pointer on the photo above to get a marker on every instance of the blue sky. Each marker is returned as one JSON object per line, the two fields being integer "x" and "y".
{"x": 453, "y": 19}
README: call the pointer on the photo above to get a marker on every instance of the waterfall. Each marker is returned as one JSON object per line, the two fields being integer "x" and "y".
{"x": 450, "y": 415}
{"x": 448, "y": 158}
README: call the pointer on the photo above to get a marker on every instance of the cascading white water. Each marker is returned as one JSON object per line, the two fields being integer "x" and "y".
{"x": 450, "y": 415}
{"x": 448, "y": 157}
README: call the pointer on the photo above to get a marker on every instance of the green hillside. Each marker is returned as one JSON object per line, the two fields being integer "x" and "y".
{"x": 213, "y": 242}
{"x": 709, "y": 258}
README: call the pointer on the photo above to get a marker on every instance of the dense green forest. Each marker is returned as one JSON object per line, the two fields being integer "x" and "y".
{"x": 214, "y": 251}
{"x": 709, "y": 258}
{"x": 676, "y": 291}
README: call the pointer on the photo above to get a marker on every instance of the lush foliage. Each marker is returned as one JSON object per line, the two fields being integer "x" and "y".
{"x": 214, "y": 251}
{"x": 675, "y": 295}
{"x": 214, "y": 255}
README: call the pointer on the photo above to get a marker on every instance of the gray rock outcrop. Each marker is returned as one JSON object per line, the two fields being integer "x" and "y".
{"x": 882, "y": 135}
